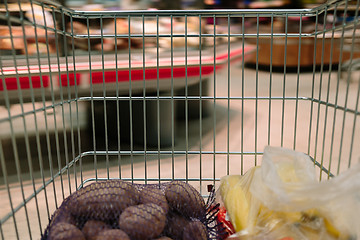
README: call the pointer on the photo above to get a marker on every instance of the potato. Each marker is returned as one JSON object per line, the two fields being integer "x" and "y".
{"x": 93, "y": 227}
{"x": 175, "y": 226}
{"x": 104, "y": 200}
{"x": 185, "y": 199}
{"x": 195, "y": 231}
{"x": 152, "y": 194}
{"x": 65, "y": 231}
{"x": 145, "y": 221}
{"x": 112, "y": 234}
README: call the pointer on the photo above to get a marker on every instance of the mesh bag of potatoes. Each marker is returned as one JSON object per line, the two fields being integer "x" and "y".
{"x": 119, "y": 210}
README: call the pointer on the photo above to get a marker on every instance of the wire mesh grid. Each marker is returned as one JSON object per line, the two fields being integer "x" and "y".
{"x": 152, "y": 96}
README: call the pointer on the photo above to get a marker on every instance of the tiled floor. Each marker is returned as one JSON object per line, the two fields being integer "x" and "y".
{"x": 238, "y": 126}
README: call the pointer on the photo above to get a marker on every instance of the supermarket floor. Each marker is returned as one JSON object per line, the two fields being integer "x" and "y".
{"x": 239, "y": 125}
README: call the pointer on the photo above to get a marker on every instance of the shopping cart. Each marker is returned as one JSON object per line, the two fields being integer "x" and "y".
{"x": 87, "y": 98}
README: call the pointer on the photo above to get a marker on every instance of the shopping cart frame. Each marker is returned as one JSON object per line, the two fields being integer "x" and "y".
{"x": 75, "y": 160}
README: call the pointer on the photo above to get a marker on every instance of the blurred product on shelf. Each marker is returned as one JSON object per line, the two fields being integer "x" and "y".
{"x": 121, "y": 28}
{"x": 27, "y": 40}
{"x": 34, "y": 38}
{"x": 31, "y": 38}
{"x": 313, "y": 50}
{"x": 6, "y": 43}
{"x": 108, "y": 43}
{"x": 39, "y": 16}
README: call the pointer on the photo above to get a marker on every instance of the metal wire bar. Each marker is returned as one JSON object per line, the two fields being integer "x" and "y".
{"x": 214, "y": 102}
{"x": 163, "y": 152}
{"x": 62, "y": 106}
{"x": 200, "y": 107}
{"x": 205, "y": 35}
{"x": 36, "y": 124}
{"x": 6, "y": 183}
{"x": 164, "y": 98}
{"x": 347, "y": 25}
{"x": 329, "y": 4}
{"x": 53, "y": 111}
{"x": 157, "y": 95}
{"x": 208, "y": 13}
{"x": 130, "y": 101}
{"x": 242, "y": 95}
{"x": 270, "y": 80}
{"x": 1, "y": 232}
{"x": 172, "y": 99}
{"x": 320, "y": 85}
{"x": 76, "y": 106}
{"x": 347, "y": 85}
{"x": 70, "y": 108}
{"x": 284, "y": 84}
{"x": 327, "y": 100}
{"x": 104, "y": 94}
{"x": 312, "y": 86}
{"x": 92, "y": 100}
{"x": 144, "y": 95}
{"x": 354, "y": 127}
{"x": 256, "y": 87}
{"x": 161, "y": 180}
{"x": 358, "y": 92}
{"x": 187, "y": 104}
{"x": 297, "y": 85}
{"x": 117, "y": 100}
{"x": 228, "y": 101}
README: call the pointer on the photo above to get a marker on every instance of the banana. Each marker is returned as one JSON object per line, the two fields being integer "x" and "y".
{"x": 234, "y": 190}
{"x": 235, "y": 201}
{"x": 247, "y": 212}
{"x": 331, "y": 229}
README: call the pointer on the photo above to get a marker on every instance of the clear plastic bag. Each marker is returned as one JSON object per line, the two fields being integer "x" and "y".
{"x": 286, "y": 201}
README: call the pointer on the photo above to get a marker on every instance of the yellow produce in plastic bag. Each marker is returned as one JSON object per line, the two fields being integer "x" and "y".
{"x": 234, "y": 190}
{"x": 282, "y": 199}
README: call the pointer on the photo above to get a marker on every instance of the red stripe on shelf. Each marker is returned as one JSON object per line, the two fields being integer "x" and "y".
{"x": 64, "y": 79}
{"x": 11, "y": 83}
{"x": 234, "y": 53}
{"x": 150, "y": 74}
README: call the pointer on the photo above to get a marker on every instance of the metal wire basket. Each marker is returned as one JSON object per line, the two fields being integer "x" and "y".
{"x": 152, "y": 96}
